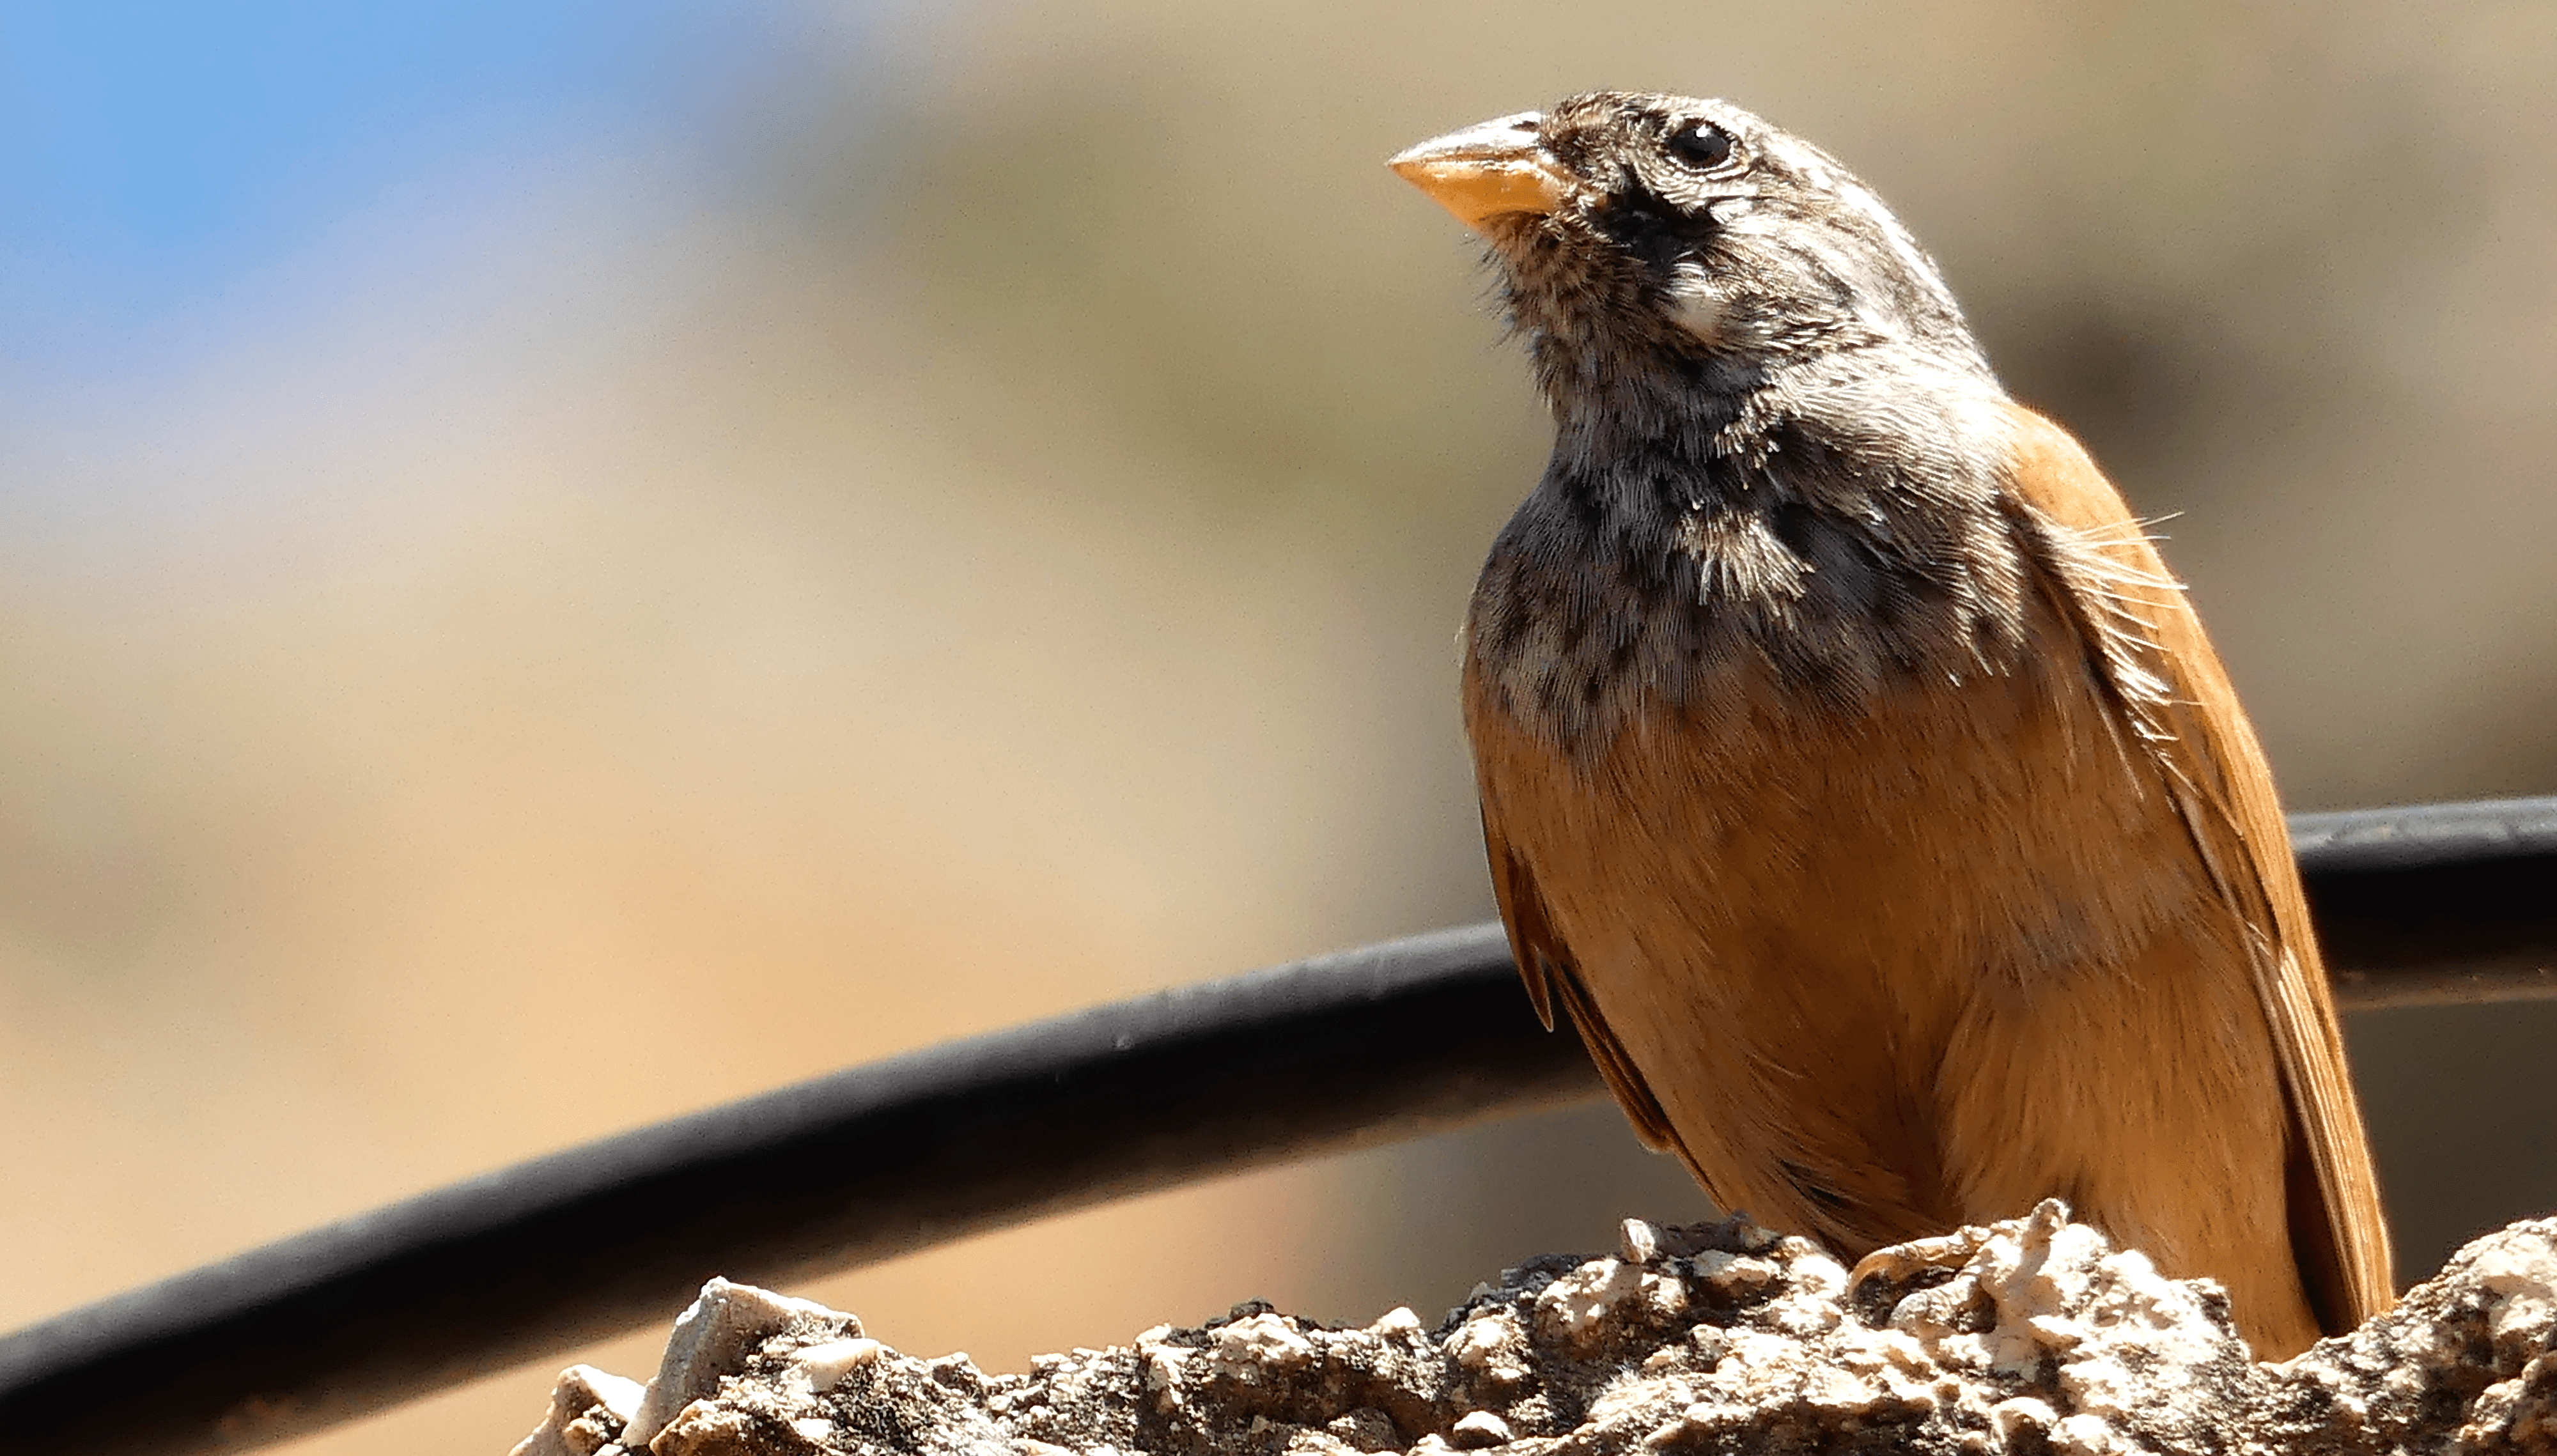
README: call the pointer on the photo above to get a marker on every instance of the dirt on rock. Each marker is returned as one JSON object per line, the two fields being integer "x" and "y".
{"x": 2030, "y": 1336}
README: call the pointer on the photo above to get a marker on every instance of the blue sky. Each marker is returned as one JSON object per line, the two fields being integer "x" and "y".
{"x": 152, "y": 153}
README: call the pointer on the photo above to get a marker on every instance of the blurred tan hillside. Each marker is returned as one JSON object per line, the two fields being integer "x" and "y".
{"x": 585, "y": 642}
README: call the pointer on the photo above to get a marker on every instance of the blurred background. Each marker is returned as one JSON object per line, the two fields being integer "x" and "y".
{"x": 563, "y": 563}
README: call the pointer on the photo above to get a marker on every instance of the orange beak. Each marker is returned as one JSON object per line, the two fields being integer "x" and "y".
{"x": 1486, "y": 170}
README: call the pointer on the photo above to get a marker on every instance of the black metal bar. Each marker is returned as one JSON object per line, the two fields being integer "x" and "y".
{"x": 2437, "y": 902}
{"x": 839, "y": 1171}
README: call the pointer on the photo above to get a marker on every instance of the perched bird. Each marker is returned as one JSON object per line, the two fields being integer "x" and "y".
{"x": 1852, "y": 771}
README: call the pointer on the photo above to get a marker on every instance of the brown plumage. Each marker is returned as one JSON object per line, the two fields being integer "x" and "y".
{"x": 1852, "y": 771}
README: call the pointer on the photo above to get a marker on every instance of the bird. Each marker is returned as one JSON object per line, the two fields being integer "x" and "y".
{"x": 1853, "y": 772}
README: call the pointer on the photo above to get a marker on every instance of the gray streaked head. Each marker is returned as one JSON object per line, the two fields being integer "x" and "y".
{"x": 1665, "y": 228}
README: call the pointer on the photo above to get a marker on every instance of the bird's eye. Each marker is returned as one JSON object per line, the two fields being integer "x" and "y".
{"x": 1701, "y": 145}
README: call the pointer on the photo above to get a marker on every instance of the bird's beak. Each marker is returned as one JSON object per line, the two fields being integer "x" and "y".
{"x": 1485, "y": 171}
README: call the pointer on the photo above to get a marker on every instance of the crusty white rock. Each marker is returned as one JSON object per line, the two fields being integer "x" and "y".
{"x": 2030, "y": 1336}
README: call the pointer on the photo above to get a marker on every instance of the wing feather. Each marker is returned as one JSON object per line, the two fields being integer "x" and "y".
{"x": 2176, "y": 702}
{"x": 1545, "y": 965}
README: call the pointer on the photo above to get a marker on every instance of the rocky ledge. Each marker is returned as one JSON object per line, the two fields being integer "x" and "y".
{"x": 2030, "y": 1336}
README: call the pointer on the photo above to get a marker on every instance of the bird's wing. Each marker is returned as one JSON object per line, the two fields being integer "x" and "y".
{"x": 1545, "y": 965}
{"x": 2177, "y": 708}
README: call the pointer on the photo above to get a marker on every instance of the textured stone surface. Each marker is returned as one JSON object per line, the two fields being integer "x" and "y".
{"x": 2033, "y": 1336}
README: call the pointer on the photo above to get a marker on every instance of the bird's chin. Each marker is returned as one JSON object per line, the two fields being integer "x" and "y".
{"x": 1518, "y": 238}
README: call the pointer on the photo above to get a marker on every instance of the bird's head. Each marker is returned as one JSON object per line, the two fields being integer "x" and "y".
{"x": 1637, "y": 231}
